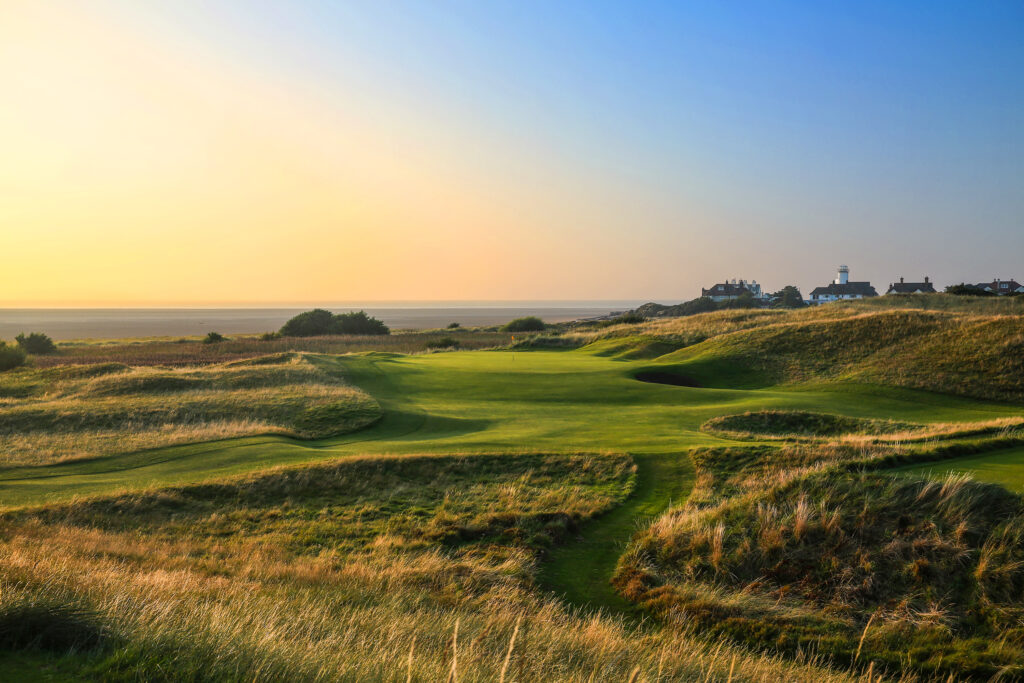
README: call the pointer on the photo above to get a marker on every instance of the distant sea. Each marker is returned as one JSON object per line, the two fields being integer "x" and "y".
{"x": 115, "y": 323}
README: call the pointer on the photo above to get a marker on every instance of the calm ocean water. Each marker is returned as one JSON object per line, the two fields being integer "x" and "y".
{"x": 111, "y": 323}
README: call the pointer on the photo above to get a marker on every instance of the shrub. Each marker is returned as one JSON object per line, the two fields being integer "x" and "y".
{"x": 309, "y": 324}
{"x": 963, "y": 289}
{"x": 443, "y": 343}
{"x": 530, "y": 323}
{"x": 454, "y": 326}
{"x": 319, "y": 322}
{"x": 359, "y": 323}
{"x": 10, "y": 356}
{"x": 631, "y": 318}
{"x": 213, "y": 338}
{"x": 36, "y": 343}
{"x": 270, "y": 336}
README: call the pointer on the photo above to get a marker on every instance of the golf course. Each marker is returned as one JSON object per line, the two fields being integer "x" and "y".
{"x": 604, "y": 498}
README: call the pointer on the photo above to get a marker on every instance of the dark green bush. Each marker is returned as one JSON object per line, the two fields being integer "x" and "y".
{"x": 454, "y": 326}
{"x": 319, "y": 322}
{"x": 270, "y": 336}
{"x": 530, "y": 323}
{"x": 963, "y": 289}
{"x": 443, "y": 343}
{"x": 213, "y": 338}
{"x": 36, "y": 343}
{"x": 10, "y": 356}
{"x": 359, "y": 323}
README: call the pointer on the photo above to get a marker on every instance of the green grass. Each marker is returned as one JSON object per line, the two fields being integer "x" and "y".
{"x": 494, "y": 473}
{"x": 491, "y": 401}
{"x": 1004, "y": 467}
{"x": 581, "y": 571}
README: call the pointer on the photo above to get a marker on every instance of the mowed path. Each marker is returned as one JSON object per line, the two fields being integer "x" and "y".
{"x": 580, "y": 571}
{"x": 488, "y": 402}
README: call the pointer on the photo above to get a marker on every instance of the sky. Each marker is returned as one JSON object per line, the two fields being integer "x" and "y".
{"x": 251, "y": 152}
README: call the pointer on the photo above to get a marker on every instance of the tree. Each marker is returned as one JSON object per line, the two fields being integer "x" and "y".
{"x": 789, "y": 297}
{"x": 744, "y": 300}
{"x": 530, "y": 323}
{"x": 10, "y": 356}
{"x": 36, "y": 343}
{"x": 963, "y": 289}
{"x": 213, "y": 338}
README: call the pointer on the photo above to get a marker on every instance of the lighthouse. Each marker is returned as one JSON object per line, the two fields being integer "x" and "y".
{"x": 844, "y": 276}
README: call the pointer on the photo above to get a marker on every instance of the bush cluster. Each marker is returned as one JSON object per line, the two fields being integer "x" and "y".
{"x": 530, "y": 323}
{"x": 10, "y": 356}
{"x": 36, "y": 343}
{"x": 443, "y": 343}
{"x": 320, "y": 322}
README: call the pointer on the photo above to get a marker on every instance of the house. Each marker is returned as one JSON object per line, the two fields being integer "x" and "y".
{"x": 727, "y": 291}
{"x": 841, "y": 289}
{"x": 902, "y": 287}
{"x": 1002, "y": 287}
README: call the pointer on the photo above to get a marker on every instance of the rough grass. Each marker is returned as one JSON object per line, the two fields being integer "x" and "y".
{"x": 54, "y": 414}
{"x": 797, "y": 546}
{"x": 191, "y": 351}
{"x": 371, "y": 569}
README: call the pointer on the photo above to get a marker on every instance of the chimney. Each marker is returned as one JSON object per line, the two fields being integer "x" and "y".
{"x": 926, "y": 279}
{"x": 901, "y": 279}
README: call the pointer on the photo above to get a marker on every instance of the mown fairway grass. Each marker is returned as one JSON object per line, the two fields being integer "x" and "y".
{"x": 1005, "y": 467}
{"x": 491, "y": 402}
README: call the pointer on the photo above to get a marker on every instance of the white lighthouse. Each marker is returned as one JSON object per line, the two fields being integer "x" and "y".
{"x": 844, "y": 276}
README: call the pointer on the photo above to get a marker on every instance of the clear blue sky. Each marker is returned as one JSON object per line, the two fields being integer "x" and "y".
{"x": 608, "y": 150}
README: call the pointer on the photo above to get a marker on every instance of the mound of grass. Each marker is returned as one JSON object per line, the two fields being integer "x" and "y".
{"x": 903, "y": 570}
{"x": 797, "y": 424}
{"x": 982, "y": 357}
{"x": 81, "y": 411}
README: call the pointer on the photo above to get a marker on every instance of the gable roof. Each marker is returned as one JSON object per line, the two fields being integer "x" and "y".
{"x": 847, "y": 289}
{"x": 726, "y": 289}
{"x": 1000, "y": 286}
{"x": 910, "y": 287}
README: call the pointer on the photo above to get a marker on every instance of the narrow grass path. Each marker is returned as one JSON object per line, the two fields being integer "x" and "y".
{"x": 580, "y": 571}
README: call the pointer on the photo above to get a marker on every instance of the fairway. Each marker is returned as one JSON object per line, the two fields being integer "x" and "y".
{"x": 491, "y": 402}
{"x": 1005, "y": 467}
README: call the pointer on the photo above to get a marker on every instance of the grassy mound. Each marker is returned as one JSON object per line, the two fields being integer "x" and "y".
{"x": 900, "y": 570}
{"x": 798, "y": 423}
{"x": 80, "y": 411}
{"x": 974, "y": 356}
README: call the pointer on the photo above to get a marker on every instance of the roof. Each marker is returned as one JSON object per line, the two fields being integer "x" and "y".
{"x": 1000, "y": 285}
{"x": 847, "y": 289}
{"x": 726, "y": 289}
{"x": 910, "y": 287}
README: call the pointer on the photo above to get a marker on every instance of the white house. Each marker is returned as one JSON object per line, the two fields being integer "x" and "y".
{"x": 841, "y": 288}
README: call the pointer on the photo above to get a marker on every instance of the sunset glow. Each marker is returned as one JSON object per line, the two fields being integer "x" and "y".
{"x": 255, "y": 153}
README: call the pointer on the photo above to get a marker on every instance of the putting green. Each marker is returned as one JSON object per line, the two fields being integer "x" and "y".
{"x": 1005, "y": 467}
{"x": 491, "y": 401}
